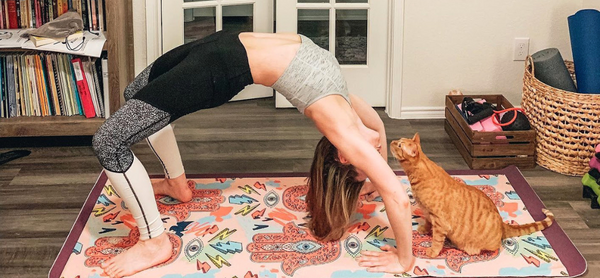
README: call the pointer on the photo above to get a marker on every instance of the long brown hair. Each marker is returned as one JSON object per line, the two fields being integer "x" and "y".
{"x": 333, "y": 193}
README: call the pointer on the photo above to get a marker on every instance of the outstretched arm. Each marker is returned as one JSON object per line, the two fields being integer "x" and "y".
{"x": 334, "y": 117}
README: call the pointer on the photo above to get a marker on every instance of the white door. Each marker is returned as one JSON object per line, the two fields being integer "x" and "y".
{"x": 355, "y": 30}
{"x": 187, "y": 20}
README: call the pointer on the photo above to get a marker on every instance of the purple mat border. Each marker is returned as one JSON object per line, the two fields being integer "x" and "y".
{"x": 569, "y": 255}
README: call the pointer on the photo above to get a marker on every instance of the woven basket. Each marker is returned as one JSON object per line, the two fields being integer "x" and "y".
{"x": 567, "y": 124}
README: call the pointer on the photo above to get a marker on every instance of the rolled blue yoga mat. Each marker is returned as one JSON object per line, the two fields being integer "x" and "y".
{"x": 584, "y": 28}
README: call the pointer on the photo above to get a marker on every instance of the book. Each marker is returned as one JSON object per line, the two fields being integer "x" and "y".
{"x": 18, "y": 11}
{"x": 60, "y": 100}
{"x": 39, "y": 41}
{"x": 94, "y": 12}
{"x": 19, "y": 84}
{"x": 2, "y": 14}
{"x": 90, "y": 82}
{"x": 68, "y": 110}
{"x": 12, "y": 14}
{"x": 11, "y": 108}
{"x": 94, "y": 82}
{"x": 5, "y": 11}
{"x": 101, "y": 14}
{"x": 26, "y": 90}
{"x": 40, "y": 85}
{"x": 105, "y": 87}
{"x": 2, "y": 87}
{"x": 83, "y": 88}
{"x": 89, "y": 14}
{"x": 52, "y": 84}
{"x": 44, "y": 80}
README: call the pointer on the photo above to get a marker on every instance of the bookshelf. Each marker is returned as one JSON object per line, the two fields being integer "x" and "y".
{"x": 119, "y": 45}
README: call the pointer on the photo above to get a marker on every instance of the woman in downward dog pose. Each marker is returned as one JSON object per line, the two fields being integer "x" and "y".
{"x": 209, "y": 72}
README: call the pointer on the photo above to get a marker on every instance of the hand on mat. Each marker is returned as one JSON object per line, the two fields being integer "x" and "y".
{"x": 386, "y": 261}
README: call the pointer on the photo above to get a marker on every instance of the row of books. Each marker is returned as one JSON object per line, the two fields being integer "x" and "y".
{"x": 21, "y": 14}
{"x": 52, "y": 84}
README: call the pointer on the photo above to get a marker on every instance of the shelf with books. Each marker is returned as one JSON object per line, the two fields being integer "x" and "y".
{"x": 119, "y": 52}
{"x": 49, "y": 126}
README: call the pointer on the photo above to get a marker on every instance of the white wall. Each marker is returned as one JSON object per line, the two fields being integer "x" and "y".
{"x": 468, "y": 45}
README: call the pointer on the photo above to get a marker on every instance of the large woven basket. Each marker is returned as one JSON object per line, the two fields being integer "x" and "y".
{"x": 567, "y": 124}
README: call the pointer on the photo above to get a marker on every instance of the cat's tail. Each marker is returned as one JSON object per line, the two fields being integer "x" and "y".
{"x": 525, "y": 229}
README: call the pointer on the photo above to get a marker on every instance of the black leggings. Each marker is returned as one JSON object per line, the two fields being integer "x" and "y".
{"x": 198, "y": 75}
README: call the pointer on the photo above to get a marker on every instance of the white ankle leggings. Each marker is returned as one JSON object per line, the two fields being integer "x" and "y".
{"x": 112, "y": 143}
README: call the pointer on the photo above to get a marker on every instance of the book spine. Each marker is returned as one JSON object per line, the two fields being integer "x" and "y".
{"x": 19, "y": 85}
{"x": 42, "y": 14}
{"x": 82, "y": 86}
{"x": 34, "y": 100}
{"x": 95, "y": 74}
{"x": 1, "y": 85}
{"x": 66, "y": 92}
{"x": 18, "y": 8}
{"x": 51, "y": 9}
{"x": 39, "y": 83}
{"x": 77, "y": 6}
{"x": 37, "y": 16}
{"x": 6, "y": 16}
{"x": 83, "y": 14}
{"x": 46, "y": 84}
{"x": 12, "y": 105}
{"x": 25, "y": 88}
{"x": 89, "y": 14}
{"x": 59, "y": 98}
{"x": 105, "y": 87}
{"x": 2, "y": 14}
{"x": 59, "y": 7}
{"x": 91, "y": 86}
{"x": 12, "y": 14}
{"x": 94, "y": 12}
{"x": 23, "y": 7}
{"x": 32, "y": 13}
{"x": 101, "y": 14}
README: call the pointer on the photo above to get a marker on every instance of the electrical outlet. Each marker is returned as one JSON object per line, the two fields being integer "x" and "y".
{"x": 521, "y": 49}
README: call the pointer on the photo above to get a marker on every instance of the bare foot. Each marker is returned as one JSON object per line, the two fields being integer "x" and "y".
{"x": 177, "y": 188}
{"x": 143, "y": 255}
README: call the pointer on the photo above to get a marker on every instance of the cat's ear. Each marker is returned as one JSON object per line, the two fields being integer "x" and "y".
{"x": 410, "y": 149}
{"x": 417, "y": 139}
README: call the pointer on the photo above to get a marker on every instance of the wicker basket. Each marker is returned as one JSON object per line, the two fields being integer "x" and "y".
{"x": 567, "y": 124}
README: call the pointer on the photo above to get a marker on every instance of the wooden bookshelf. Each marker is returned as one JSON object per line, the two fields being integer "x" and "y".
{"x": 119, "y": 45}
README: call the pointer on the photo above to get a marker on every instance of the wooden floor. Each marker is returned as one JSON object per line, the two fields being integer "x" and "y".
{"x": 41, "y": 194}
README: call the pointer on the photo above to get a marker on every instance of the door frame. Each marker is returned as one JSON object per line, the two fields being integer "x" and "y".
{"x": 393, "y": 106}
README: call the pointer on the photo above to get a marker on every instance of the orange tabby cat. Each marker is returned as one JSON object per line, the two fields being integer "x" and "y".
{"x": 453, "y": 210}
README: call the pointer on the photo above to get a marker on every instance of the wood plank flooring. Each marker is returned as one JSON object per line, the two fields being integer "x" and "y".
{"x": 41, "y": 194}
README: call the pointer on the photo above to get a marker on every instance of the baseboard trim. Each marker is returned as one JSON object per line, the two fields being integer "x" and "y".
{"x": 425, "y": 112}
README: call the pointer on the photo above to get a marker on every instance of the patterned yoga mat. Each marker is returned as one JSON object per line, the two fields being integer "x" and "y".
{"x": 253, "y": 225}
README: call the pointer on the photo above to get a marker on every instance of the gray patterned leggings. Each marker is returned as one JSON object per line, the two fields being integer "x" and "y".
{"x": 133, "y": 122}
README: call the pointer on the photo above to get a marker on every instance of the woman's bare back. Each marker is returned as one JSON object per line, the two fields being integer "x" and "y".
{"x": 269, "y": 54}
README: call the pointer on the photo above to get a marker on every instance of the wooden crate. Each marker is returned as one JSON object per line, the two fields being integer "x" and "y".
{"x": 489, "y": 150}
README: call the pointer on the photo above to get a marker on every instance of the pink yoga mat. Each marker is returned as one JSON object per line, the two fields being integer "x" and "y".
{"x": 254, "y": 225}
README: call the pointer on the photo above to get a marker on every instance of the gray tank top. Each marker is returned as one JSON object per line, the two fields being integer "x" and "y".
{"x": 313, "y": 74}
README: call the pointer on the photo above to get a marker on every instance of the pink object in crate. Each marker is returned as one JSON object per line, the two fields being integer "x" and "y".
{"x": 595, "y": 163}
{"x": 598, "y": 148}
{"x": 486, "y": 125}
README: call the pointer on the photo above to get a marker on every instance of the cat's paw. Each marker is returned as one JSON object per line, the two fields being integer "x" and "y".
{"x": 424, "y": 229}
{"x": 430, "y": 252}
